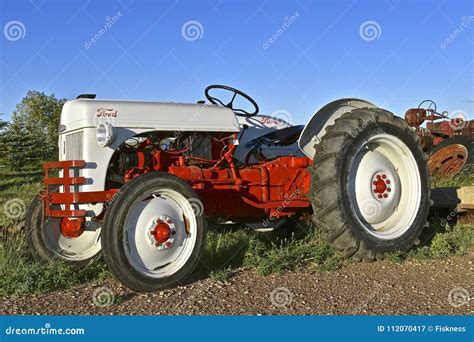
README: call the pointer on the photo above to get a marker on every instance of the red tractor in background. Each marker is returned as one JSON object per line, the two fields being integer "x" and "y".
{"x": 449, "y": 142}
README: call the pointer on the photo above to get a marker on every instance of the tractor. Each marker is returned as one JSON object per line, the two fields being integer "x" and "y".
{"x": 140, "y": 181}
{"x": 448, "y": 141}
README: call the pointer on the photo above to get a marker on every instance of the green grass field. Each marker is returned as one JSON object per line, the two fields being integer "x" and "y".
{"x": 226, "y": 250}
{"x": 17, "y": 189}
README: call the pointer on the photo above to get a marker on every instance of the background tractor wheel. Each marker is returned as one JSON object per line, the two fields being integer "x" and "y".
{"x": 46, "y": 239}
{"x": 154, "y": 232}
{"x": 370, "y": 185}
{"x": 449, "y": 157}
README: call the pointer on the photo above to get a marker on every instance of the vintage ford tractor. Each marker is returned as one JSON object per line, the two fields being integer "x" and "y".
{"x": 140, "y": 181}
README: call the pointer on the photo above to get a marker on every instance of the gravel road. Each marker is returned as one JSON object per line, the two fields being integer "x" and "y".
{"x": 380, "y": 288}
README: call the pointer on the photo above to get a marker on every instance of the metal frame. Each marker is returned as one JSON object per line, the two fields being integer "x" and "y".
{"x": 68, "y": 198}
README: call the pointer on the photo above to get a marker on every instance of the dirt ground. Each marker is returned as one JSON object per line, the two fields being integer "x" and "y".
{"x": 380, "y": 288}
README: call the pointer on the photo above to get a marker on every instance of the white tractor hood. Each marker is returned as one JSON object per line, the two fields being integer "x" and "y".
{"x": 83, "y": 113}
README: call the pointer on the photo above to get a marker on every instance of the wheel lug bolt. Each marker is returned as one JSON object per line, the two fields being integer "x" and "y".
{"x": 157, "y": 244}
{"x": 374, "y": 182}
{"x": 388, "y": 189}
{"x": 387, "y": 181}
{"x": 375, "y": 190}
{"x": 385, "y": 195}
{"x": 383, "y": 176}
{"x": 380, "y": 196}
{"x": 168, "y": 244}
{"x": 378, "y": 176}
{"x": 173, "y": 232}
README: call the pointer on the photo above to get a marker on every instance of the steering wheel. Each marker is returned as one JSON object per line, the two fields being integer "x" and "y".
{"x": 237, "y": 111}
{"x": 431, "y": 107}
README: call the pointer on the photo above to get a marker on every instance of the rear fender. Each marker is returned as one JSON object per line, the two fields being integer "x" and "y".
{"x": 316, "y": 127}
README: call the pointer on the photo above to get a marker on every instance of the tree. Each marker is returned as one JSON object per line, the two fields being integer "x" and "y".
{"x": 32, "y": 134}
{"x": 43, "y": 111}
{"x": 3, "y": 126}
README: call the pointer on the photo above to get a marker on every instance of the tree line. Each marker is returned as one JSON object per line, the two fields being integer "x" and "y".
{"x": 31, "y": 136}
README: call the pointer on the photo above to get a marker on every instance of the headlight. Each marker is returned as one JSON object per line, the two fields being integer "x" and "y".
{"x": 105, "y": 134}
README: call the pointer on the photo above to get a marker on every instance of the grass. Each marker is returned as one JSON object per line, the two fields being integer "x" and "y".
{"x": 226, "y": 249}
{"x": 19, "y": 274}
{"x": 457, "y": 240}
{"x": 464, "y": 178}
{"x": 18, "y": 188}
{"x": 225, "y": 252}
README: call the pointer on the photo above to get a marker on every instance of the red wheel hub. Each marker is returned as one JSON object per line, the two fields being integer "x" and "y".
{"x": 162, "y": 232}
{"x": 381, "y": 185}
{"x": 72, "y": 228}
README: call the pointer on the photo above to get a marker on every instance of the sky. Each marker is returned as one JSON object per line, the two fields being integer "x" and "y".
{"x": 292, "y": 57}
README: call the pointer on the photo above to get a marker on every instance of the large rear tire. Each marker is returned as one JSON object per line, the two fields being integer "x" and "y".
{"x": 370, "y": 185}
{"x": 154, "y": 232}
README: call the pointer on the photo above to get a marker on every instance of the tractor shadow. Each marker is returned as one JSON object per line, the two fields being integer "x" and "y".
{"x": 232, "y": 247}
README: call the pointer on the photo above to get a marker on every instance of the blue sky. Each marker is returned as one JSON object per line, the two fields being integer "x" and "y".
{"x": 322, "y": 53}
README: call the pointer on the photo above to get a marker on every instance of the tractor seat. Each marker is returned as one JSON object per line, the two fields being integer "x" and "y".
{"x": 282, "y": 137}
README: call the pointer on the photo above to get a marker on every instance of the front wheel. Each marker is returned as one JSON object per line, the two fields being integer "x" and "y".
{"x": 370, "y": 185}
{"x": 48, "y": 238}
{"x": 154, "y": 231}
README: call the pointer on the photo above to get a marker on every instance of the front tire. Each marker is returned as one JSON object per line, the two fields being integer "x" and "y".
{"x": 46, "y": 241}
{"x": 370, "y": 185}
{"x": 154, "y": 232}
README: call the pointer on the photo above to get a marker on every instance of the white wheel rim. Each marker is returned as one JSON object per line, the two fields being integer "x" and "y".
{"x": 384, "y": 162}
{"x": 144, "y": 253}
{"x": 79, "y": 248}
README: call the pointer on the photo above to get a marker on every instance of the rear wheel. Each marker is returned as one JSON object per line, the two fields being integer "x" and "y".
{"x": 154, "y": 231}
{"x": 448, "y": 158}
{"x": 370, "y": 185}
{"x": 73, "y": 241}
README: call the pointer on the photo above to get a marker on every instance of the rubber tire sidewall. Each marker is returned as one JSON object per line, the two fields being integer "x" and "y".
{"x": 115, "y": 218}
{"x": 36, "y": 241}
{"x": 404, "y": 241}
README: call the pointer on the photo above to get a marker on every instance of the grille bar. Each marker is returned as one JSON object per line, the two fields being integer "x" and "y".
{"x": 74, "y": 146}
